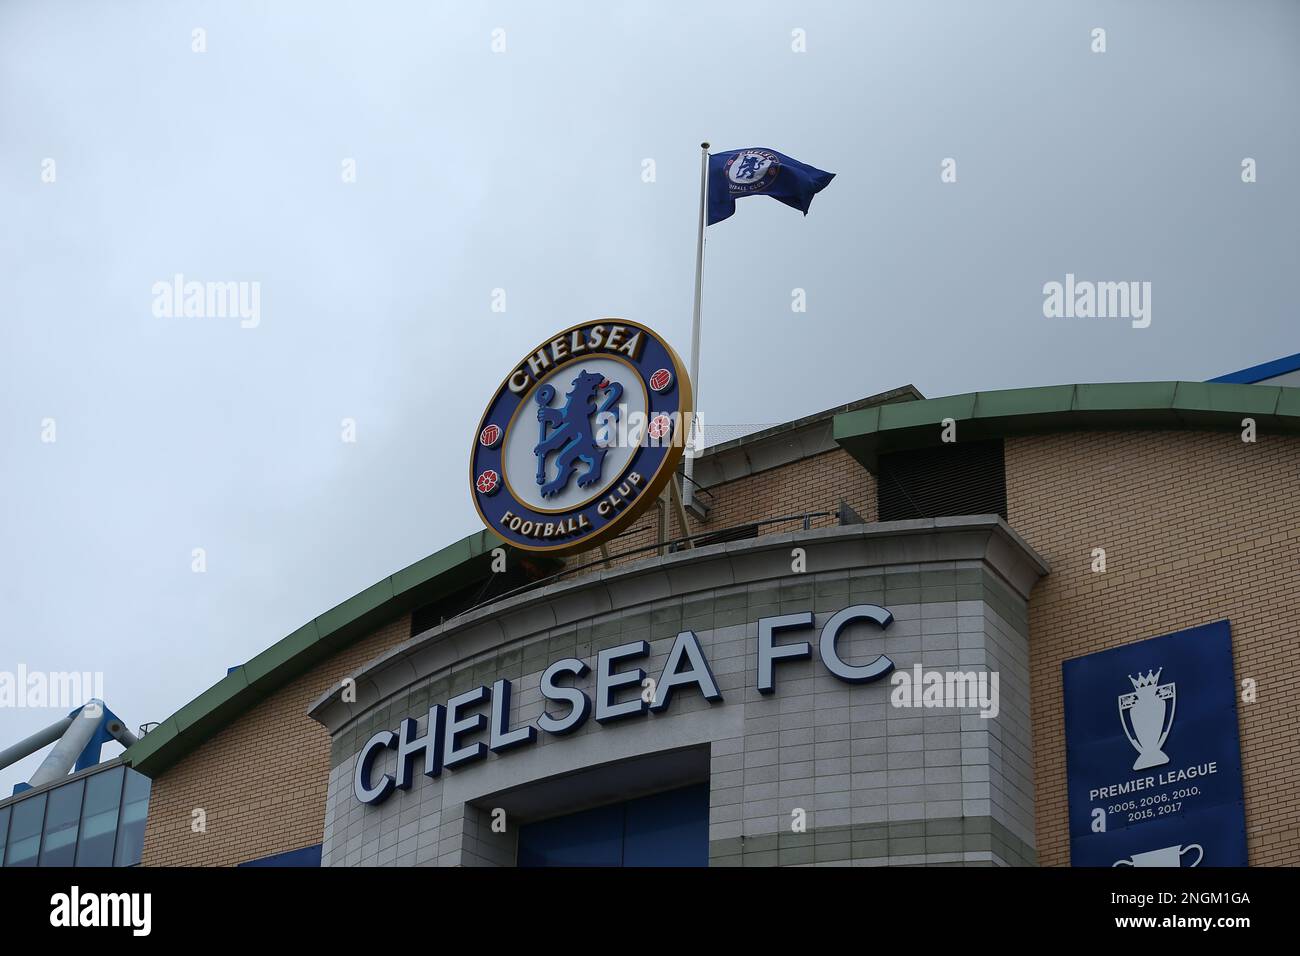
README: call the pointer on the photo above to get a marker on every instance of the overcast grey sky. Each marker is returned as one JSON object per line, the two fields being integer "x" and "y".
{"x": 522, "y": 170}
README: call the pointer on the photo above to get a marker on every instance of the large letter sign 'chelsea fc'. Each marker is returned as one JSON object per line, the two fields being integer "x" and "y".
{"x": 585, "y": 431}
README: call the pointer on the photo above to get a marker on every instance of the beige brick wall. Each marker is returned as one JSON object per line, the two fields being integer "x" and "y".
{"x": 262, "y": 780}
{"x": 813, "y": 484}
{"x": 1197, "y": 527}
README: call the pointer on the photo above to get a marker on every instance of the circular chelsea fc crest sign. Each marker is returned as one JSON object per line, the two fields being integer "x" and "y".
{"x": 581, "y": 436}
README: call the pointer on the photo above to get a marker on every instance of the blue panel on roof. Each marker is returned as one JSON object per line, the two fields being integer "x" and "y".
{"x": 1259, "y": 373}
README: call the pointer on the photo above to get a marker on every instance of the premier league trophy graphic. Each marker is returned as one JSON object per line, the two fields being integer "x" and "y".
{"x": 1150, "y": 711}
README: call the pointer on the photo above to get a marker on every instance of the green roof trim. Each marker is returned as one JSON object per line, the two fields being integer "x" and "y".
{"x": 871, "y": 432}
{"x": 427, "y": 580}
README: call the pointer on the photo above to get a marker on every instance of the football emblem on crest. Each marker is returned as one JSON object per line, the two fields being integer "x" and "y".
{"x": 581, "y": 436}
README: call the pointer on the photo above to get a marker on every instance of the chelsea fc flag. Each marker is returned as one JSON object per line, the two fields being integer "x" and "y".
{"x": 761, "y": 172}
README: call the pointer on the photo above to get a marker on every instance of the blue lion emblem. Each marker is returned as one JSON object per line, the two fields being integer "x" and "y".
{"x": 572, "y": 436}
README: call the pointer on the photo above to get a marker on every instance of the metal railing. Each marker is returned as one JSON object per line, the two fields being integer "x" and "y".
{"x": 732, "y": 533}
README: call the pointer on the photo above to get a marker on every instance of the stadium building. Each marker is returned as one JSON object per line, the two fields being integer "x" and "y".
{"x": 1028, "y": 627}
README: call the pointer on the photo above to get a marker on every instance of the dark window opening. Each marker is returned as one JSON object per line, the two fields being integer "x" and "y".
{"x": 957, "y": 478}
{"x": 520, "y": 571}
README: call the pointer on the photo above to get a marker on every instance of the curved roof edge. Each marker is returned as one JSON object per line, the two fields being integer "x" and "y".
{"x": 871, "y": 432}
{"x": 428, "y": 579}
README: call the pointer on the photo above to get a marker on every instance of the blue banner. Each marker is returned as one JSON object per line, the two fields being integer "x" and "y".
{"x": 758, "y": 171}
{"x": 1153, "y": 758}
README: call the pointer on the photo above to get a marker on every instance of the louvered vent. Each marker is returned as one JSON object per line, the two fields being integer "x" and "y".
{"x": 961, "y": 478}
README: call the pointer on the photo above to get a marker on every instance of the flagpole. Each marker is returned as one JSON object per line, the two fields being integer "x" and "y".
{"x": 688, "y": 492}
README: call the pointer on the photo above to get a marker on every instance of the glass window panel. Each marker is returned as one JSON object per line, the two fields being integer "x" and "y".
{"x": 4, "y": 832}
{"x": 130, "y": 831}
{"x": 665, "y": 829}
{"x": 668, "y": 829}
{"x": 588, "y": 838}
{"x": 99, "y": 818}
{"x": 59, "y": 848}
{"x": 25, "y": 831}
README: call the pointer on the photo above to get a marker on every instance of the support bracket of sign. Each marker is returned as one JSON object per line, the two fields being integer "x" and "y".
{"x": 662, "y": 505}
{"x": 604, "y": 553}
{"x": 675, "y": 490}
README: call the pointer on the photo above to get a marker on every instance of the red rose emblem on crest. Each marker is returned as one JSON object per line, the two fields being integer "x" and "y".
{"x": 659, "y": 426}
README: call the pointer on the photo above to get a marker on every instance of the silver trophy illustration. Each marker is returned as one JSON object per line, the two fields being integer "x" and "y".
{"x": 1165, "y": 856}
{"x": 1150, "y": 711}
